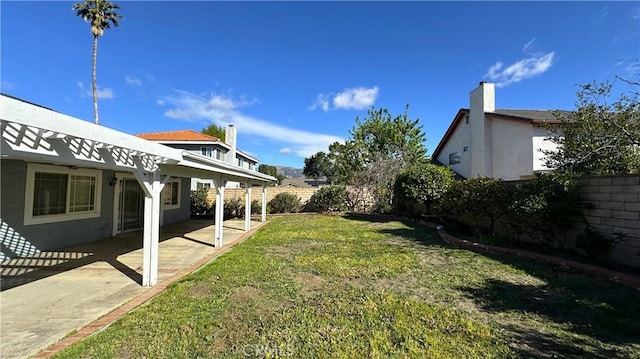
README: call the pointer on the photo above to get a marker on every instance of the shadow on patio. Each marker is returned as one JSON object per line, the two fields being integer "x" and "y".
{"x": 122, "y": 253}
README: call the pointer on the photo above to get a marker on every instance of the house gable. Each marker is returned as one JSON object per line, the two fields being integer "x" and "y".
{"x": 499, "y": 143}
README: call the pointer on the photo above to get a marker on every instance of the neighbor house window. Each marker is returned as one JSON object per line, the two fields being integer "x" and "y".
{"x": 56, "y": 194}
{"x": 466, "y": 148}
{"x": 207, "y": 151}
{"x": 200, "y": 184}
{"x": 454, "y": 158}
{"x": 171, "y": 195}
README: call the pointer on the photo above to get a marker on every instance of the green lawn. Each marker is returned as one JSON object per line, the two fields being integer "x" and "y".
{"x": 356, "y": 287}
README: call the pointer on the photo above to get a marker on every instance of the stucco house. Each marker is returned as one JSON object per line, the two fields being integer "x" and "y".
{"x": 483, "y": 141}
{"x": 65, "y": 181}
{"x": 208, "y": 146}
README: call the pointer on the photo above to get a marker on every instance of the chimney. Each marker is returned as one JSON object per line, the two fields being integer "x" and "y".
{"x": 482, "y": 99}
{"x": 230, "y": 139}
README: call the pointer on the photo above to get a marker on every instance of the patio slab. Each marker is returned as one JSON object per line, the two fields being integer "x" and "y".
{"x": 49, "y": 296}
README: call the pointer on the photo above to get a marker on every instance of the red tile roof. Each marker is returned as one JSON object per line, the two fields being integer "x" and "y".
{"x": 181, "y": 135}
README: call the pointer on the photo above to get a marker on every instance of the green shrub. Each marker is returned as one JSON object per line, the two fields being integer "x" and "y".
{"x": 285, "y": 202}
{"x": 199, "y": 204}
{"x": 419, "y": 186}
{"x": 328, "y": 199}
{"x": 233, "y": 208}
{"x": 477, "y": 199}
{"x": 546, "y": 208}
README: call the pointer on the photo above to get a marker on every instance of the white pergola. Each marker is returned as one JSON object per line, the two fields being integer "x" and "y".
{"x": 37, "y": 134}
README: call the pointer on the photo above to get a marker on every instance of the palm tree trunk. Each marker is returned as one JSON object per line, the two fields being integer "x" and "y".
{"x": 94, "y": 81}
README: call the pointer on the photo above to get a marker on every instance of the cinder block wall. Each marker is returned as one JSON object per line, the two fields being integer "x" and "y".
{"x": 616, "y": 209}
{"x": 304, "y": 193}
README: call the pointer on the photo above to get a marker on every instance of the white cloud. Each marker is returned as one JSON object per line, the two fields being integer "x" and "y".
{"x": 321, "y": 102}
{"x": 223, "y": 111}
{"x": 102, "y": 93}
{"x": 133, "y": 81}
{"x": 528, "y": 45}
{"x": 160, "y": 102}
{"x": 633, "y": 69}
{"x": 357, "y": 98}
{"x": 523, "y": 69}
{"x": 285, "y": 151}
{"x": 105, "y": 93}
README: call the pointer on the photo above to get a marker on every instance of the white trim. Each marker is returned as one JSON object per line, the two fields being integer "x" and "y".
{"x": 32, "y": 168}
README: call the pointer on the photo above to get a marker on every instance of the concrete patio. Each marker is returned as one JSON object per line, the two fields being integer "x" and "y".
{"x": 48, "y": 296}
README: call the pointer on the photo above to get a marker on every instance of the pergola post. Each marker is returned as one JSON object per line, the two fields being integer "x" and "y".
{"x": 219, "y": 215}
{"x": 263, "y": 218}
{"x": 152, "y": 187}
{"x": 247, "y": 208}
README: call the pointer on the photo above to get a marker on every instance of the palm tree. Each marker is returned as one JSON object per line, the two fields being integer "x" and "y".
{"x": 101, "y": 15}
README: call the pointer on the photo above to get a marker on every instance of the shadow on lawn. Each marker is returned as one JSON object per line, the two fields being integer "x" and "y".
{"x": 415, "y": 232}
{"x": 583, "y": 305}
{"x": 605, "y": 312}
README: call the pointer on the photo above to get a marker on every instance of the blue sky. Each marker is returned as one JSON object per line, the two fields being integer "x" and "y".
{"x": 293, "y": 76}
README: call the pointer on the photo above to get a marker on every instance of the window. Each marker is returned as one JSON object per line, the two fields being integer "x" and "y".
{"x": 240, "y": 162}
{"x": 206, "y": 151}
{"x": 219, "y": 155}
{"x": 454, "y": 158}
{"x": 171, "y": 195}
{"x": 57, "y": 194}
{"x": 200, "y": 184}
{"x": 466, "y": 148}
{"x": 466, "y": 119}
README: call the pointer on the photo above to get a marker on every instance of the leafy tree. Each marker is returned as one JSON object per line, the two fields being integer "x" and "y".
{"x": 271, "y": 171}
{"x": 215, "y": 131}
{"x": 316, "y": 166}
{"x": 422, "y": 184}
{"x": 599, "y": 137}
{"x": 101, "y": 15}
{"x": 380, "y": 147}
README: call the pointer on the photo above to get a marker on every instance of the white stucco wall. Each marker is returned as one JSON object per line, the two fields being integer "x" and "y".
{"x": 511, "y": 150}
{"x": 461, "y": 137}
{"x": 539, "y": 144}
{"x": 481, "y": 100}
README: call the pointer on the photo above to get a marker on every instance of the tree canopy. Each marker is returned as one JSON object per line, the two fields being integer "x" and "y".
{"x": 423, "y": 184}
{"x": 271, "y": 171}
{"x": 215, "y": 131}
{"x": 101, "y": 14}
{"x": 380, "y": 147}
{"x": 599, "y": 137}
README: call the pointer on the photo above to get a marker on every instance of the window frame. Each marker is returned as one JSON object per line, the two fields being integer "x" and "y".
{"x": 33, "y": 168}
{"x": 162, "y": 195}
{"x": 207, "y": 151}
{"x": 455, "y": 158}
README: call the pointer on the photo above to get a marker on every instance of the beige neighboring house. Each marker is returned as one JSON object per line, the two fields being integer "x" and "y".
{"x": 483, "y": 141}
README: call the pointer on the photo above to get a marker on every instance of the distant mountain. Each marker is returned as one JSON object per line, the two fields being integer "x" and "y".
{"x": 290, "y": 172}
